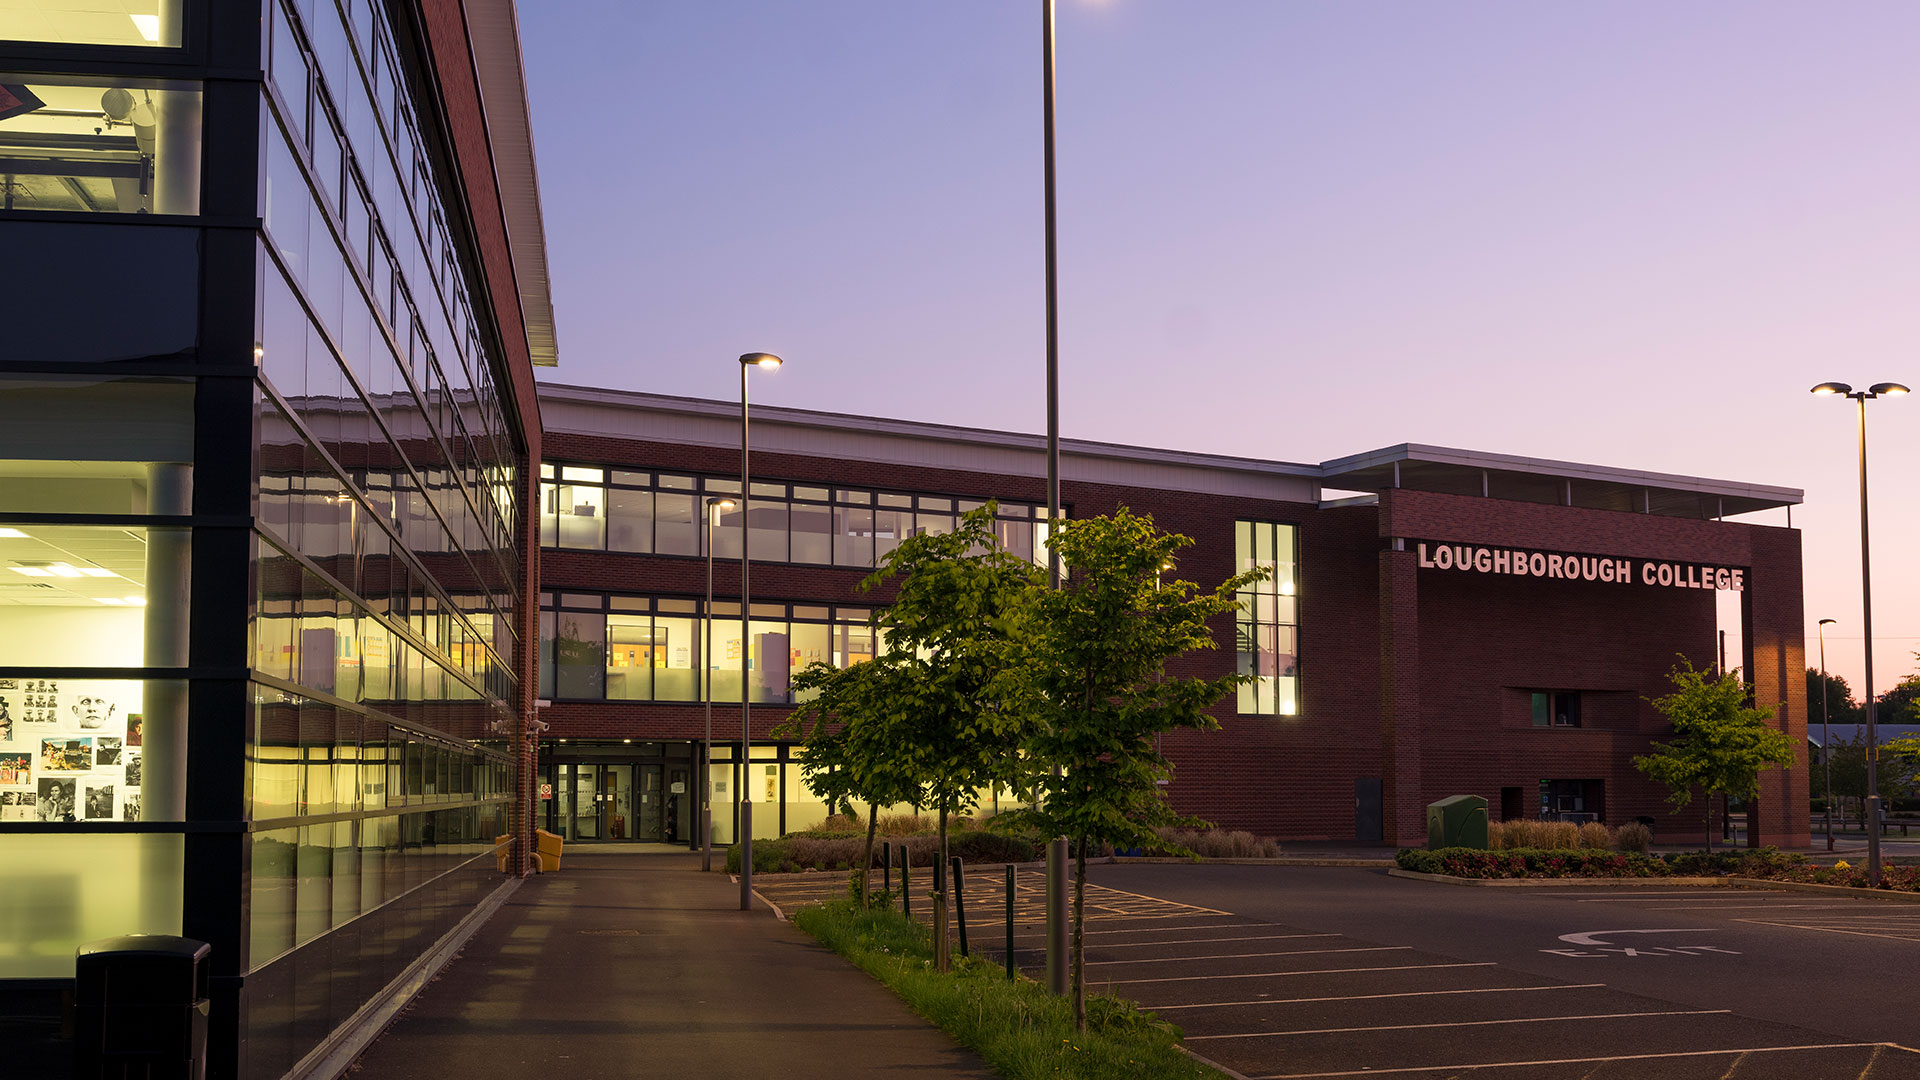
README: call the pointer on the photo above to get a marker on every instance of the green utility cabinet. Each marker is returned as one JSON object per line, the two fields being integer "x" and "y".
{"x": 1457, "y": 821}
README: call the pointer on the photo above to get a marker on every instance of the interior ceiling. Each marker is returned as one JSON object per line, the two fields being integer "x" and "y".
{"x": 117, "y": 557}
{"x": 98, "y": 22}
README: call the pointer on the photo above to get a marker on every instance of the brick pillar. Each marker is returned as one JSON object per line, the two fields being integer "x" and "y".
{"x": 1404, "y": 811}
{"x": 1774, "y": 615}
{"x": 526, "y": 740}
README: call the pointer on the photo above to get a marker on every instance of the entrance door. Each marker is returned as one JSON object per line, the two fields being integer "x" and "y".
{"x": 583, "y": 815}
{"x": 679, "y": 803}
{"x": 616, "y": 801}
{"x": 650, "y": 816}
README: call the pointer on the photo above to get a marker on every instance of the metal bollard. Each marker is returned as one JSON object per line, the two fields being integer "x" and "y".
{"x": 906, "y": 890}
{"x": 886, "y": 868}
{"x": 960, "y": 901}
{"x": 1010, "y": 883}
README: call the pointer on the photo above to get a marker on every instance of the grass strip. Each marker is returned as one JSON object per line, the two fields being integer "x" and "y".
{"x": 1020, "y": 1029}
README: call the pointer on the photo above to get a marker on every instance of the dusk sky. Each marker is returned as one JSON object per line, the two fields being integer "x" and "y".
{"x": 1632, "y": 234}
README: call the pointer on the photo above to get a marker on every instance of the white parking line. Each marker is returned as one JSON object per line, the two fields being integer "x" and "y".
{"x": 1211, "y": 940}
{"x": 1249, "y": 956}
{"x": 1457, "y": 1024}
{"x": 1276, "y": 974}
{"x": 1570, "y": 1061}
{"x": 1831, "y": 930}
{"x": 1376, "y": 997}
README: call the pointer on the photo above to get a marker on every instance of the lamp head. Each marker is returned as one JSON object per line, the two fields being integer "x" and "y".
{"x": 1827, "y": 622}
{"x": 1888, "y": 389}
{"x": 764, "y": 360}
{"x": 720, "y": 504}
{"x": 1827, "y": 389}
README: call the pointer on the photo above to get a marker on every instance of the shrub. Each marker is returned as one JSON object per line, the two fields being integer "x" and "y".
{"x": 839, "y": 825}
{"x": 1529, "y": 833}
{"x": 898, "y": 825}
{"x": 1218, "y": 843}
{"x": 1633, "y": 836}
{"x": 1592, "y": 834}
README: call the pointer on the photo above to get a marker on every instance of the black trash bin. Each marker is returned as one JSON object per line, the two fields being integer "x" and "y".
{"x": 140, "y": 1008}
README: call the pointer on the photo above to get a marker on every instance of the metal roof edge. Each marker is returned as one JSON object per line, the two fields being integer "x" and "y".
{"x": 1481, "y": 459}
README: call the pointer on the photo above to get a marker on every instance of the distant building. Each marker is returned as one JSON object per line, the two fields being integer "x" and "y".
{"x": 1473, "y": 623}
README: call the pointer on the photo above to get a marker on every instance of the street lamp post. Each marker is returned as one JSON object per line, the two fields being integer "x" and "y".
{"x": 1057, "y": 963}
{"x": 768, "y": 362}
{"x": 1887, "y": 389}
{"x": 1826, "y": 737}
{"x": 706, "y": 693}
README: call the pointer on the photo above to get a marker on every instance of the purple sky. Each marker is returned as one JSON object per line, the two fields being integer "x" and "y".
{"x": 1631, "y": 233}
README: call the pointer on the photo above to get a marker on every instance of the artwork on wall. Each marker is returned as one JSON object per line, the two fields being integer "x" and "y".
{"x": 135, "y": 722}
{"x": 99, "y": 803}
{"x": 57, "y": 799}
{"x": 6, "y": 721}
{"x": 16, "y": 805}
{"x": 130, "y": 806}
{"x": 16, "y": 769}
{"x": 106, "y": 750}
{"x": 130, "y": 768}
{"x": 66, "y": 755}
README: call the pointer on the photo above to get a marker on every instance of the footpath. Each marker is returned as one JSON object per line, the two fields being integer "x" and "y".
{"x": 640, "y": 966}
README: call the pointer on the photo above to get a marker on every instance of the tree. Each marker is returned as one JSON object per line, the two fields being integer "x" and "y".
{"x": 956, "y": 702}
{"x": 1720, "y": 743}
{"x": 1893, "y": 768}
{"x": 1901, "y": 705}
{"x": 1841, "y": 708}
{"x": 847, "y": 748}
{"x": 1099, "y": 647}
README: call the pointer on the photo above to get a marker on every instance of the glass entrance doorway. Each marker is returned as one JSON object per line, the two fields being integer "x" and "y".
{"x": 596, "y": 802}
{"x": 635, "y": 800}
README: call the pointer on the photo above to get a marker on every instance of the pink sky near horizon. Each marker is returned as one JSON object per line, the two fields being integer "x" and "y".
{"x": 1631, "y": 234}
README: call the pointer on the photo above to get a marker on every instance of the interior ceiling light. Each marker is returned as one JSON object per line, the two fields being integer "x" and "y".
{"x": 136, "y": 601}
{"x": 61, "y": 569}
{"x": 148, "y": 25}
{"x": 33, "y": 571}
{"x": 97, "y": 571}
{"x": 12, "y": 534}
{"x": 114, "y": 601}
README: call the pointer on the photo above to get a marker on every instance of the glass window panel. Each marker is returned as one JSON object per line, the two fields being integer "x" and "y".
{"x": 852, "y": 536}
{"x": 889, "y": 528}
{"x": 580, "y": 510}
{"x": 811, "y": 643}
{"x": 629, "y": 520}
{"x": 902, "y": 501}
{"x": 676, "y": 650}
{"x": 768, "y": 522}
{"x": 94, "y": 148}
{"x": 933, "y": 524}
{"x": 630, "y": 657}
{"x": 814, "y": 493}
{"x": 727, "y": 522}
{"x": 632, "y": 479}
{"x": 812, "y": 525}
{"x": 676, "y": 526}
{"x": 856, "y": 498}
{"x": 727, "y": 654}
{"x": 272, "y": 892}
{"x": 582, "y": 474}
{"x": 678, "y": 483}
{"x": 580, "y": 655}
{"x": 719, "y": 486}
{"x": 151, "y": 23}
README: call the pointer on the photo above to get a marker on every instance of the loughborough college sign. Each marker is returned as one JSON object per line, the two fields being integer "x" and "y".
{"x": 1514, "y": 562}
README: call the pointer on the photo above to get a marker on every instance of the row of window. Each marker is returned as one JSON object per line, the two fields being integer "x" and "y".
{"x": 1267, "y": 626}
{"x": 591, "y": 508}
{"x": 634, "y": 648}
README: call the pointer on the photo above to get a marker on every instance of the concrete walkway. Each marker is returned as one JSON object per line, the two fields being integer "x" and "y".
{"x": 639, "y": 965}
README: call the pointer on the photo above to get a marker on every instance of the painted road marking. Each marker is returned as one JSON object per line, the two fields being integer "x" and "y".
{"x": 1278, "y": 974}
{"x": 1458, "y": 1024}
{"x": 1581, "y": 1061}
{"x": 1592, "y": 937}
{"x": 1376, "y": 997}
{"x": 1832, "y": 930}
{"x": 1250, "y": 955}
{"x": 1208, "y": 940}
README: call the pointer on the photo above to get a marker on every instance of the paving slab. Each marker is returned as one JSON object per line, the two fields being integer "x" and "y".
{"x": 630, "y": 966}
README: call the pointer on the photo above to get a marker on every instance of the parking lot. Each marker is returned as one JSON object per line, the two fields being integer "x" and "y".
{"x": 1373, "y": 975}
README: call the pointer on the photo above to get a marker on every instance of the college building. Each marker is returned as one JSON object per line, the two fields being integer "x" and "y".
{"x": 1438, "y": 621}
{"x": 267, "y": 447}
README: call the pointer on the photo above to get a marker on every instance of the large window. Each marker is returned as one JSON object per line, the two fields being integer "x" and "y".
{"x": 637, "y": 648}
{"x": 128, "y": 146}
{"x": 594, "y": 508}
{"x": 90, "y": 22}
{"x": 1267, "y": 627}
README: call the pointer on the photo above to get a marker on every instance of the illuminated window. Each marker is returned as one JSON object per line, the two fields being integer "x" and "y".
{"x": 1266, "y": 628}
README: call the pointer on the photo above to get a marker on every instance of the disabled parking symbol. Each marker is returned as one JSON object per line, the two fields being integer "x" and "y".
{"x": 1594, "y": 945}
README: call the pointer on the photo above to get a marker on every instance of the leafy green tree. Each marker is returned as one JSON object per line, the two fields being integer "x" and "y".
{"x": 1894, "y": 766}
{"x": 1841, "y": 708}
{"x": 849, "y": 746}
{"x": 1720, "y": 743}
{"x": 955, "y": 711}
{"x": 1901, "y": 705}
{"x": 1098, "y": 652}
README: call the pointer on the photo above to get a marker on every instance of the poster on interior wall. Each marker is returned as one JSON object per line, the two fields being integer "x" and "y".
{"x": 135, "y": 723}
{"x": 106, "y": 750}
{"x": 16, "y": 806}
{"x": 91, "y": 712}
{"x": 130, "y": 806}
{"x": 66, "y": 755}
{"x": 99, "y": 802}
{"x": 131, "y": 775}
{"x": 16, "y": 769}
{"x": 56, "y": 801}
{"x": 6, "y": 721}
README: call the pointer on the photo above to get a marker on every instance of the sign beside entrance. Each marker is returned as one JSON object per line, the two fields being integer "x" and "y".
{"x": 1519, "y": 562}
{"x": 546, "y": 791}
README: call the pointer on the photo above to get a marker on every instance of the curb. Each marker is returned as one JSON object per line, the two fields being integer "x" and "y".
{"x": 1563, "y": 882}
{"x": 1825, "y": 890}
{"x": 1283, "y": 860}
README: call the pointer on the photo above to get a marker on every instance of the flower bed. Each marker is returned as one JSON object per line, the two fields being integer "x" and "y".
{"x": 1588, "y": 862}
{"x": 1892, "y": 878}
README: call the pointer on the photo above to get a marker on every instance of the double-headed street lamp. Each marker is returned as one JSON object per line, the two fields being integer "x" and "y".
{"x": 713, "y": 503}
{"x": 1826, "y": 738}
{"x": 1885, "y": 389}
{"x": 767, "y": 362}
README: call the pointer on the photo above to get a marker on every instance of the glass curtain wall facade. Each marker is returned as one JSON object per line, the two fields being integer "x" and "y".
{"x": 258, "y": 569}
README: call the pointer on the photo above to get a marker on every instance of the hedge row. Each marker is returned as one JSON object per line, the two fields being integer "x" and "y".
{"x": 790, "y": 854}
{"x": 1560, "y": 863}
